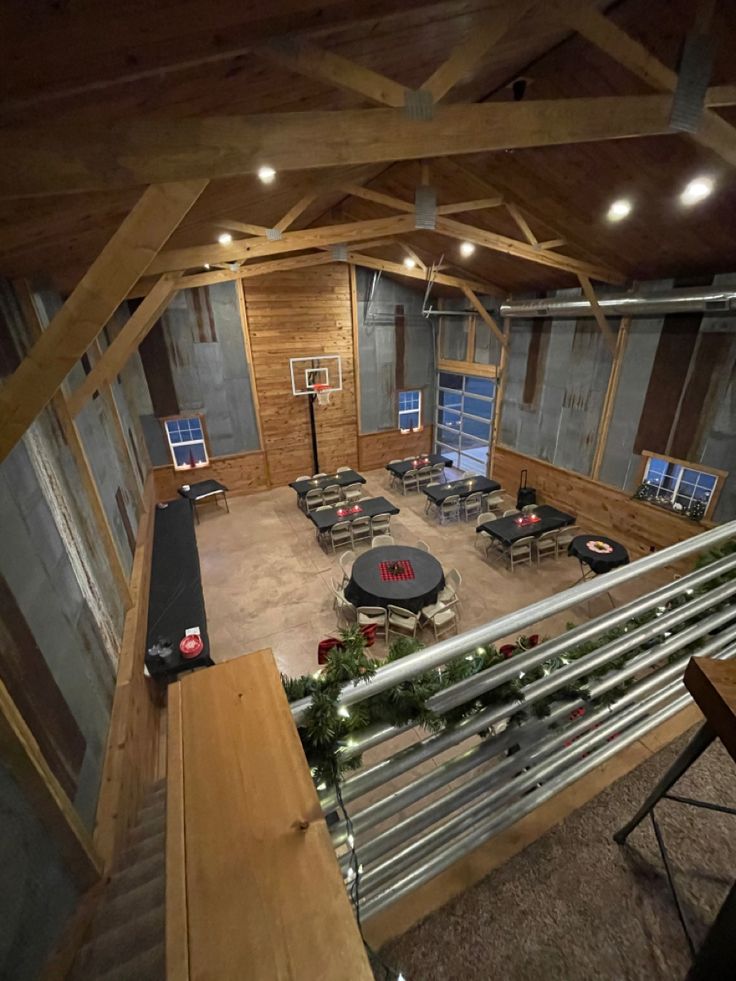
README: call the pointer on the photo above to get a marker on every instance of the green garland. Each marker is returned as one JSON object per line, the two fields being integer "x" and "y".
{"x": 327, "y": 726}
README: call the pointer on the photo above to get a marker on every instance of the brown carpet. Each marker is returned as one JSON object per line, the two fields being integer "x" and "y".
{"x": 575, "y": 906}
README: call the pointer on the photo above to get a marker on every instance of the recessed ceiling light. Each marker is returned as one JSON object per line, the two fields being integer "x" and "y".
{"x": 206, "y": 265}
{"x": 266, "y": 174}
{"x": 409, "y": 262}
{"x": 619, "y": 210}
{"x": 696, "y": 190}
{"x": 225, "y": 238}
{"x": 467, "y": 248}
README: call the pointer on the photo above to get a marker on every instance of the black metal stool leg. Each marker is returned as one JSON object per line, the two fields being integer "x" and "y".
{"x": 694, "y": 749}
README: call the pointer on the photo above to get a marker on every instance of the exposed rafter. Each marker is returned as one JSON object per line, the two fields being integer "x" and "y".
{"x": 485, "y": 316}
{"x": 124, "y": 259}
{"x": 466, "y": 56}
{"x": 142, "y": 151}
{"x": 501, "y": 243}
{"x": 600, "y": 317}
{"x": 307, "y": 238}
{"x": 714, "y": 131}
{"x": 127, "y": 341}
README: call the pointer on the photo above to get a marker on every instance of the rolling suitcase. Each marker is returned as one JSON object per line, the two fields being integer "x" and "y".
{"x": 525, "y": 495}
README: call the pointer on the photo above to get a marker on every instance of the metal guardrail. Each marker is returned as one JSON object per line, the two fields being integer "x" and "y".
{"x": 512, "y": 623}
{"x": 411, "y": 834}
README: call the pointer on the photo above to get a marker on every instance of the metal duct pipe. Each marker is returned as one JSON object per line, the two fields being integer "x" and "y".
{"x": 699, "y": 300}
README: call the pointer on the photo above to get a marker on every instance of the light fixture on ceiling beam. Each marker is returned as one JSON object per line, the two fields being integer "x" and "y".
{"x": 466, "y": 249}
{"x": 697, "y": 190}
{"x": 224, "y": 238}
{"x": 410, "y": 263}
{"x": 619, "y": 209}
{"x": 266, "y": 174}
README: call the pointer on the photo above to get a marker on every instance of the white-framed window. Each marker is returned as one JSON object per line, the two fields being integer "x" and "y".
{"x": 185, "y": 436}
{"x": 678, "y": 486}
{"x": 410, "y": 411}
{"x": 464, "y": 419}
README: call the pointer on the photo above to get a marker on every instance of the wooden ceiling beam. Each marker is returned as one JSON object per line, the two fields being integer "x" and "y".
{"x": 65, "y": 157}
{"x": 307, "y": 238}
{"x": 411, "y": 254}
{"x": 114, "y": 358}
{"x": 462, "y": 206}
{"x": 294, "y": 212}
{"x": 453, "y": 165}
{"x": 522, "y": 224}
{"x": 377, "y": 197}
{"x": 600, "y": 317}
{"x": 399, "y": 269}
{"x": 501, "y": 243}
{"x": 551, "y": 243}
{"x": 485, "y": 316}
{"x": 467, "y": 55}
{"x": 124, "y": 259}
{"x": 714, "y": 132}
{"x": 307, "y": 59}
{"x": 230, "y": 225}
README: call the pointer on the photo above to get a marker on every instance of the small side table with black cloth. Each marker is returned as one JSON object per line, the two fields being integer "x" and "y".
{"x": 325, "y": 518}
{"x": 509, "y": 530}
{"x": 598, "y": 562}
{"x": 175, "y": 601}
{"x": 203, "y": 491}
{"x": 418, "y": 584}
{"x": 402, "y": 467}
{"x": 342, "y": 479}
{"x": 461, "y": 488}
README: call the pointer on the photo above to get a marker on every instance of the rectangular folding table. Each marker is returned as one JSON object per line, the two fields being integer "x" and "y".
{"x": 325, "y": 518}
{"x": 509, "y": 530}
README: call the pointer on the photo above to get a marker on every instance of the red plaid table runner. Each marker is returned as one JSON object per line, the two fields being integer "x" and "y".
{"x": 398, "y": 571}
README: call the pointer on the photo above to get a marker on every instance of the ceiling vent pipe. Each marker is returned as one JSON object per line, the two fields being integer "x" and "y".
{"x": 701, "y": 300}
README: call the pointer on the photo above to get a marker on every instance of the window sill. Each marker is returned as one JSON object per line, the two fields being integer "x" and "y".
{"x": 408, "y": 432}
{"x": 704, "y": 521}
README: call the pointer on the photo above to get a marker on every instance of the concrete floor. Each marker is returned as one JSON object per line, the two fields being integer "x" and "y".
{"x": 267, "y": 581}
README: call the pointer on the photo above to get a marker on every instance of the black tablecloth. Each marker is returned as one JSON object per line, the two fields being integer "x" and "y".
{"x": 175, "y": 599}
{"x": 461, "y": 488}
{"x": 403, "y": 466}
{"x": 341, "y": 479}
{"x": 203, "y": 489}
{"x": 367, "y": 588}
{"x": 506, "y": 530}
{"x": 597, "y": 561}
{"x": 369, "y": 508}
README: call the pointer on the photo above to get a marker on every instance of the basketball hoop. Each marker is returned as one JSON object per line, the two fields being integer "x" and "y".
{"x": 322, "y": 391}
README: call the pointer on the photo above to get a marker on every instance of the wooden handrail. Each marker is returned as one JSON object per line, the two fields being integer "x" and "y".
{"x": 253, "y": 888}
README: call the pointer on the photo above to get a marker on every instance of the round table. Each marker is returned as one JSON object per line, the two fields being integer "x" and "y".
{"x": 373, "y": 584}
{"x": 598, "y": 562}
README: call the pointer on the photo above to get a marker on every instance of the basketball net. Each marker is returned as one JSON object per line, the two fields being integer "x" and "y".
{"x": 322, "y": 392}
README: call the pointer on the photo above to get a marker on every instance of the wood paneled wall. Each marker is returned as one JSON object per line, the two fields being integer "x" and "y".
{"x": 241, "y": 473}
{"x": 376, "y": 449}
{"x": 639, "y": 526}
{"x": 132, "y": 753}
{"x": 297, "y": 314}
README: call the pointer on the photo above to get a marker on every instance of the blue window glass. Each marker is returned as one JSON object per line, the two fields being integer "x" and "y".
{"x": 480, "y": 386}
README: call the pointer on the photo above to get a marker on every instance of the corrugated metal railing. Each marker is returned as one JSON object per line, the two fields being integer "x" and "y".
{"x": 515, "y": 768}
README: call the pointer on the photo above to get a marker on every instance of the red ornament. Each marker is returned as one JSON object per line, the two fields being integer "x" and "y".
{"x": 506, "y": 650}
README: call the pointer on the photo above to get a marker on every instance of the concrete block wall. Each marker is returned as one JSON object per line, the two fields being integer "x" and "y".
{"x": 377, "y": 349}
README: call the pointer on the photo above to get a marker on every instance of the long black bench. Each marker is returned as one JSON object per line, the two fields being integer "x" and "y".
{"x": 175, "y": 599}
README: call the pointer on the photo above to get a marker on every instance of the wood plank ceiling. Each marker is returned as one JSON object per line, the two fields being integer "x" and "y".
{"x": 99, "y": 63}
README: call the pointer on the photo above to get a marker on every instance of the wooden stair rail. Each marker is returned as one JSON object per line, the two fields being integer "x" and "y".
{"x": 253, "y": 888}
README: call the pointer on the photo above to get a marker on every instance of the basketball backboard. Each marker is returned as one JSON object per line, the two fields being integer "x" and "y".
{"x": 321, "y": 370}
